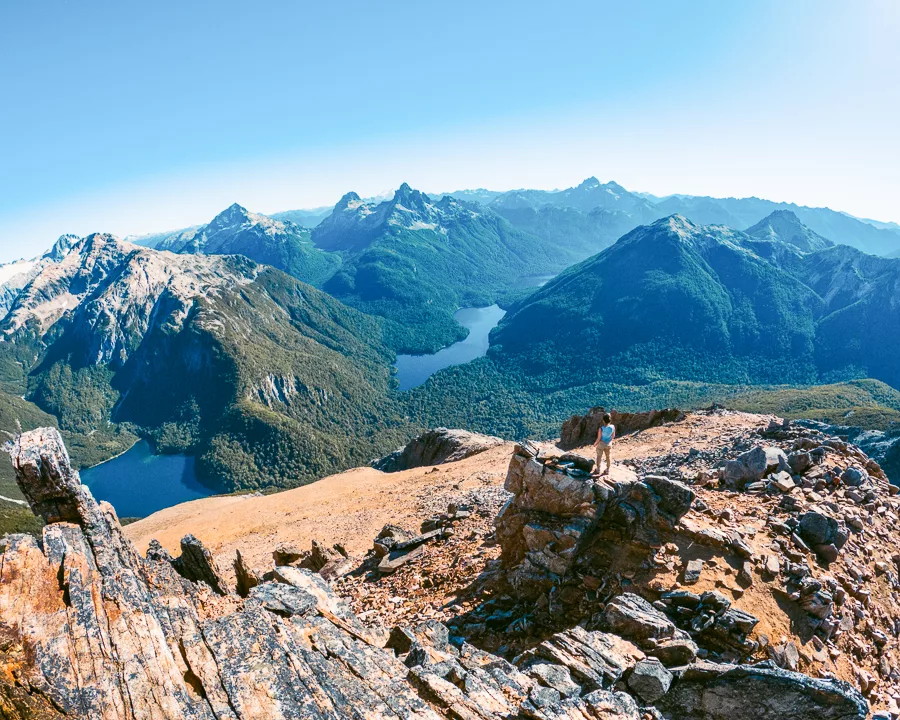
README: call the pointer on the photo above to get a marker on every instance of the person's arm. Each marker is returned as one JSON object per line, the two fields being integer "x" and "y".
{"x": 614, "y": 434}
{"x": 599, "y": 435}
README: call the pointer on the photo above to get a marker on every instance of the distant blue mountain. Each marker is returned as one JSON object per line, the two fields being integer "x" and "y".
{"x": 872, "y": 237}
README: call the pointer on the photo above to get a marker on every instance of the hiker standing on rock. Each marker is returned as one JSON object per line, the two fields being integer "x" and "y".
{"x": 605, "y": 437}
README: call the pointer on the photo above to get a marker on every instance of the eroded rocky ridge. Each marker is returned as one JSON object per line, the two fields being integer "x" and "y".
{"x": 93, "y": 630}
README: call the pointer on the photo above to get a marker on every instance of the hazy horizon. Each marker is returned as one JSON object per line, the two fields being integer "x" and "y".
{"x": 140, "y": 119}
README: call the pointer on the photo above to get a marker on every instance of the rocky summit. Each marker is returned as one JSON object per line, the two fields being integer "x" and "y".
{"x": 730, "y": 566}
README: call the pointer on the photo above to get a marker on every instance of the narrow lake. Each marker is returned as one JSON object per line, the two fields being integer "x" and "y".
{"x": 138, "y": 483}
{"x": 413, "y": 370}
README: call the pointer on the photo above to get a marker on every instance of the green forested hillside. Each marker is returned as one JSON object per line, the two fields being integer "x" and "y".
{"x": 414, "y": 262}
{"x": 680, "y": 314}
{"x": 668, "y": 301}
{"x": 270, "y": 381}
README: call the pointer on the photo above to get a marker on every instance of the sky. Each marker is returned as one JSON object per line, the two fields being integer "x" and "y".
{"x": 131, "y": 118}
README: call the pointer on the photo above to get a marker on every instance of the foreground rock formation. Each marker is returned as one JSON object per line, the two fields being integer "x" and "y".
{"x": 92, "y": 630}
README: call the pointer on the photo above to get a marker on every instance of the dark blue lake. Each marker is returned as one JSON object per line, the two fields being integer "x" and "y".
{"x": 138, "y": 483}
{"x": 414, "y": 370}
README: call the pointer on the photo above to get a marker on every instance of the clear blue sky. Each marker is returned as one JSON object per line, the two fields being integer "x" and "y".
{"x": 134, "y": 117}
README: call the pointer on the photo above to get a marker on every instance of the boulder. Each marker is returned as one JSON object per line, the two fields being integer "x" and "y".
{"x": 709, "y": 691}
{"x": 816, "y": 528}
{"x": 435, "y": 447}
{"x": 197, "y": 563}
{"x": 754, "y": 465}
{"x": 800, "y": 461}
{"x": 649, "y": 680}
{"x": 675, "y": 498}
{"x": 854, "y": 476}
{"x": 635, "y": 619}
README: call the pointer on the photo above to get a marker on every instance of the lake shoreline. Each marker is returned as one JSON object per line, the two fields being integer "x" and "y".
{"x": 414, "y": 370}
{"x": 139, "y": 482}
{"x": 112, "y": 457}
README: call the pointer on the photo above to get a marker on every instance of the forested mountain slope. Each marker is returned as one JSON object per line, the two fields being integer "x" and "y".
{"x": 263, "y": 376}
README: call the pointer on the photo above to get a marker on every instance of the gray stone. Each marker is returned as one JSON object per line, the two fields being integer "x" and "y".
{"x": 708, "y": 691}
{"x": 675, "y": 497}
{"x": 816, "y": 528}
{"x": 556, "y": 677}
{"x": 435, "y": 447}
{"x": 634, "y": 618}
{"x": 692, "y": 572}
{"x": 800, "y": 461}
{"x": 650, "y": 680}
{"x": 754, "y": 465}
{"x": 197, "y": 563}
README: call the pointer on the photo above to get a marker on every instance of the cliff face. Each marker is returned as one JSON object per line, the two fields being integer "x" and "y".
{"x": 92, "y": 630}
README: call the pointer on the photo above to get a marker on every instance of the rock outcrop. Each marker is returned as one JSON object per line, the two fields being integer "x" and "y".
{"x": 435, "y": 447}
{"x": 92, "y": 630}
{"x": 562, "y": 522}
{"x": 581, "y": 430}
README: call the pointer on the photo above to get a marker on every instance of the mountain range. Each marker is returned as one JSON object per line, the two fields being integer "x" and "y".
{"x": 415, "y": 261}
{"x": 632, "y": 209}
{"x": 694, "y": 302}
{"x": 680, "y": 313}
{"x": 279, "y": 243}
{"x": 260, "y": 375}
{"x": 266, "y": 348}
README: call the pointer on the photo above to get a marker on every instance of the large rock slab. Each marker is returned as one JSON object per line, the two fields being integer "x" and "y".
{"x": 709, "y": 691}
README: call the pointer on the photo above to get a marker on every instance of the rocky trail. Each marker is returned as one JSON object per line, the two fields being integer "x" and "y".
{"x": 732, "y": 566}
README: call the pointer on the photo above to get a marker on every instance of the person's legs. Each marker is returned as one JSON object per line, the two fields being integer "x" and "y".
{"x": 608, "y": 461}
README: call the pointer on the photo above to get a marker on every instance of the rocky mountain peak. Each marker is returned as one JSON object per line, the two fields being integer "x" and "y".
{"x": 234, "y": 214}
{"x": 347, "y": 200}
{"x": 655, "y": 595}
{"x": 61, "y": 247}
{"x": 784, "y": 226}
{"x": 410, "y": 199}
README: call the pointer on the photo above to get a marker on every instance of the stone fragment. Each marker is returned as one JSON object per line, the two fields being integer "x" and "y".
{"x": 816, "y": 528}
{"x": 650, "y": 680}
{"x": 555, "y": 676}
{"x": 397, "y": 559}
{"x": 635, "y": 619}
{"x": 246, "y": 577}
{"x": 783, "y": 481}
{"x": 287, "y": 554}
{"x": 692, "y": 572}
{"x": 197, "y": 563}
